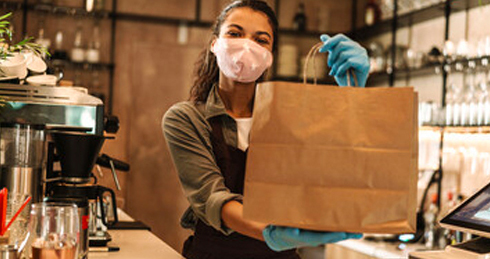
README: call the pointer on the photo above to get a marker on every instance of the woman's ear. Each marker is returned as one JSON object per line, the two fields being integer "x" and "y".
{"x": 213, "y": 42}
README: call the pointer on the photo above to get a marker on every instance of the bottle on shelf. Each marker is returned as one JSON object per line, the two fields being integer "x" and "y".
{"x": 59, "y": 57}
{"x": 78, "y": 50}
{"x": 89, "y": 5}
{"x": 41, "y": 40}
{"x": 94, "y": 5}
{"x": 373, "y": 13}
{"x": 447, "y": 236}
{"x": 299, "y": 21}
{"x": 59, "y": 51}
{"x": 93, "y": 52}
{"x": 99, "y": 5}
{"x": 430, "y": 218}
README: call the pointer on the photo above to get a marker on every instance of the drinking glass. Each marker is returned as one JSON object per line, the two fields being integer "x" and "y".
{"x": 451, "y": 98}
{"x": 54, "y": 230}
{"x": 457, "y": 103}
{"x": 486, "y": 104}
{"x": 482, "y": 96}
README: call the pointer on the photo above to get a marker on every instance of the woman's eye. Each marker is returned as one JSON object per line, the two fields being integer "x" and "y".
{"x": 262, "y": 41}
{"x": 233, "y": 34}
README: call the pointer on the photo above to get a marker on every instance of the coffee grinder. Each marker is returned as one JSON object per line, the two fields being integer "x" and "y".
{"x": 77, "y": 153}
{"x": 22, "y": 157}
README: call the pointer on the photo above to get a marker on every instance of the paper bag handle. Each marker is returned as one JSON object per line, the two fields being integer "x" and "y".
{"x": 312, "y": 55}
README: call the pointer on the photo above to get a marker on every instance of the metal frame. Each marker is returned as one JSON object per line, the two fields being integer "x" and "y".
{"x": 110, "y": 100}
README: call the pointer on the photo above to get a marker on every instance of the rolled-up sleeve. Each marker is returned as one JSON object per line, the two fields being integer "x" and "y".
{"x": 188, "y": 139}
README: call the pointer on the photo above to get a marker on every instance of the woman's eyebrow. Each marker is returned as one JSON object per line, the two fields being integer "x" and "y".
{"x": 236, "y": 26}
{"x": 264, "y": 33}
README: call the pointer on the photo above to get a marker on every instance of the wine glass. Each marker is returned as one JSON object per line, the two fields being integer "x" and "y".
{"x": 482, "y": 95}
{"x": 469, "y": 103}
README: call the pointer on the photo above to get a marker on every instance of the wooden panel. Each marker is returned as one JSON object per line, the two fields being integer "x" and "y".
{"x": 153, "y": 72}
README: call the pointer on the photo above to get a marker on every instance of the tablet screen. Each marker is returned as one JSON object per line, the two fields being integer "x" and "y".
{"x": 474, "y": 213}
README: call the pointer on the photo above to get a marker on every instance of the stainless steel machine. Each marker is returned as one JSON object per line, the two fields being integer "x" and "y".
{"x": 39, "y": 120}
{"x": 52, "y": 106}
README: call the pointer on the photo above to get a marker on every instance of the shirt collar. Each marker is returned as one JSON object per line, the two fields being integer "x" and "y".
{"x": 214, "y": 104}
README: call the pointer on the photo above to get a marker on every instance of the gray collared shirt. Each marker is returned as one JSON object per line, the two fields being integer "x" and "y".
{"x": 188, "y": 134}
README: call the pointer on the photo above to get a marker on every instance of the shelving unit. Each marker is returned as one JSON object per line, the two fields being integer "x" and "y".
{"x": 414, "y": 17}
{"x": 444, "y": 9}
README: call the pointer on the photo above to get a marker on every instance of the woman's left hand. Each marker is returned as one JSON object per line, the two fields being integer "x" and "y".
{"x": 345, "y": 54}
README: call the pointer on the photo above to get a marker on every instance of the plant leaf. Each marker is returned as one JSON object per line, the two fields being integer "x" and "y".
{"x": 5, "y": 16}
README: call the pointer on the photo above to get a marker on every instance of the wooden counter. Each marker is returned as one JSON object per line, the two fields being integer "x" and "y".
{"x": 141, "y": 244}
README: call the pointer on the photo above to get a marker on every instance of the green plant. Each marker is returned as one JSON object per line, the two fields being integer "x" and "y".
{"x": 8, "y": 46}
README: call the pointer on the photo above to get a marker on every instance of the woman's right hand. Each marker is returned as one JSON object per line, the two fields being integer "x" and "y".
{"x": 285, "y": 238}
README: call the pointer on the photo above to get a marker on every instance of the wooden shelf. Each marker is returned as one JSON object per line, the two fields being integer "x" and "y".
{"x": 458, "y": 129}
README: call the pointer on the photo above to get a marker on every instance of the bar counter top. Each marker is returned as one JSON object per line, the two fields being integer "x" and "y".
{"x": 141, "y": 244}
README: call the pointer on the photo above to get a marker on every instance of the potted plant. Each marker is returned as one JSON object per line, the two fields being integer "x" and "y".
{"x": 16, "y": 57}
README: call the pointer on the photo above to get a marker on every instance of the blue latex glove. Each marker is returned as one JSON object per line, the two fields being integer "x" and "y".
{"x": 285, "y": 238}
{"x": 345, "y": 54}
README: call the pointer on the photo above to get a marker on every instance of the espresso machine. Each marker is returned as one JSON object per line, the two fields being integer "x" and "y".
{"x": 69, "y": 124}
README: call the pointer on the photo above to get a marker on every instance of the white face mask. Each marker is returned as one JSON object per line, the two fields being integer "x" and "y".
{"x": 242, "y": 60}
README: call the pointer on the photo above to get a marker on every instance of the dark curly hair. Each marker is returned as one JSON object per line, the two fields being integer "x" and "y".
{"x": 206, "y": 72}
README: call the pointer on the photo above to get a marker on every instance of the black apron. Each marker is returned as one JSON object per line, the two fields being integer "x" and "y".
{"x": 209, "y": 243}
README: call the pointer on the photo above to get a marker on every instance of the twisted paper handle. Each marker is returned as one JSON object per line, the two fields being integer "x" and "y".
{"x": 312, "y": 55}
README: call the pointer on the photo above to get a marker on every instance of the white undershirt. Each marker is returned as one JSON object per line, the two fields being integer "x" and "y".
{"x": 243, "y": 126}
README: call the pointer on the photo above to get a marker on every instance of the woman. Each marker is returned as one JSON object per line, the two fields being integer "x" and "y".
{"x": 208, "y": 136}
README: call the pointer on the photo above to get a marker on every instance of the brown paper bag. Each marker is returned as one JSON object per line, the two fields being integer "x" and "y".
{"x": 333, "y": 159}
